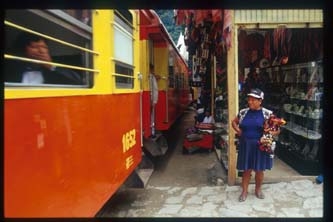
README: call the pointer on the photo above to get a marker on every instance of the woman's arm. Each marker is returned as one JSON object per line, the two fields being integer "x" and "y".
{"x": 235, "y": 126}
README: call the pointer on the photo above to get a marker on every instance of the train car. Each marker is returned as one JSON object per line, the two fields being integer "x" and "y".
{"x": 69, "y": 145}
{"x": 160, "y": 52}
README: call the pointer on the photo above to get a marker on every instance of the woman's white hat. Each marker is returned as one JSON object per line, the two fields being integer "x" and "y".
{"x": 256, "y": 93}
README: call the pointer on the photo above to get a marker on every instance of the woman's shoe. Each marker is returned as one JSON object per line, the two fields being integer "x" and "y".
{"x": 260, "y": 194}
{"x": 242, "y": 197}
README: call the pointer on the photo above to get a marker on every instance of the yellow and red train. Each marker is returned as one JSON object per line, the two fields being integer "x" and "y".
{"x": 68, "y": 148}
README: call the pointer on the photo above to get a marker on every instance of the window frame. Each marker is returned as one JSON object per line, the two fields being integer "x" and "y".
{"x": 123, "y": 82}
{"x": 60, "y": 20}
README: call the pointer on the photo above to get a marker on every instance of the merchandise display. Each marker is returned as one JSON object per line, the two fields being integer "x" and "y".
{"x": 299, "y": 101}
{"x": 286, "y": 64}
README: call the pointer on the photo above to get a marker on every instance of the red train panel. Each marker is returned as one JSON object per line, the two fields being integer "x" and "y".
{"x": 167, "y": 112}
{"x": 68, "y": 154}
{"x": 146, "y": 114}
{"x": 178, "y": 100}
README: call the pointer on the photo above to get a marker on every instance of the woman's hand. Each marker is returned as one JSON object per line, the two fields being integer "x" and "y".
{"x": 238, "y": 131}
{"x": 265, "y": 140}
{"x": 235, "y": 126}
{"x": 275, "y": 132}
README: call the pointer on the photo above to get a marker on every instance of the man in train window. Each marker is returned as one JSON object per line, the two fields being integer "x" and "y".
{"x": 35, "y": 47}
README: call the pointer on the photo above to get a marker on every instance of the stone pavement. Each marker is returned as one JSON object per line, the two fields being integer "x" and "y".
{"x": 294, "y": 199}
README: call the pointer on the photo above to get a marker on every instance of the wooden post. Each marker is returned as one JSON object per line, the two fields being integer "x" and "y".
{"x": 213, "y": 84}
{"x": 232, "y": 79}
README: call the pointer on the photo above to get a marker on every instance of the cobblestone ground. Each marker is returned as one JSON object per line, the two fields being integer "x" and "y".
{"x": 301, "y": 199}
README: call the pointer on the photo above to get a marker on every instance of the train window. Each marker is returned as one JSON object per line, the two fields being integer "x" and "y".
{"x": 48, "y": 48}
{"x": 125, "y": 16}
{"x": 124, "y": 49}
{"x": 83, "y": 15}
{"x": 151, "y": 51}
{"x": 171, "y": 71}
{"x": 181, "y": 80}
{"x": 124, "y": 81}
{"x": 177, "y": 81}
{"x": 171, "y": 77}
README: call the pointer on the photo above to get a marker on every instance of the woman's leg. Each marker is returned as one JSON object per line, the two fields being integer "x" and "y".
{"x": 245, "y": 184}
{"x": 259, "y": 178}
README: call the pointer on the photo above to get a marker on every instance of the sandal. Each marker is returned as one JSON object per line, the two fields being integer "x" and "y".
{"x": 242, "y": 197}
{"x": 260, "y": 195}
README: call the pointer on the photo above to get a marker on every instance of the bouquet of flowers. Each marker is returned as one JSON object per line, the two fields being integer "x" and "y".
{"x": 271, "y": 125}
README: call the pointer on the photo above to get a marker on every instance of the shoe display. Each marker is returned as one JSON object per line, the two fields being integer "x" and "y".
{"x": 300, "y": 103}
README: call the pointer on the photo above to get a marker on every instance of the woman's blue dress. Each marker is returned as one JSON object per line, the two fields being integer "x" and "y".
{"x": 249, "y": 154}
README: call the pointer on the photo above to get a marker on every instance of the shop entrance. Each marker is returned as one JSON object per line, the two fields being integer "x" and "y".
{"x": 286, "y": 63}
{"x": 279, "y": 51}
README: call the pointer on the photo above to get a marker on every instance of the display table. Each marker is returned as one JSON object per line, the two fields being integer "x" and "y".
{"x": 202, "y": 139}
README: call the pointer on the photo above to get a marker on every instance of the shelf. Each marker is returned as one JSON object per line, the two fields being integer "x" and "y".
{"x": 297, "y": 162}
{"x": 295, "y": 93}
{"x": 304, "y": 99}
{"x": 303, "y": 115}
{"x": 310, "y": 64}
{"x": 301, "y": 131}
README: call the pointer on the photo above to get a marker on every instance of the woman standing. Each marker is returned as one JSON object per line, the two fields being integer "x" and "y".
{"x": 248, "y": 125}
